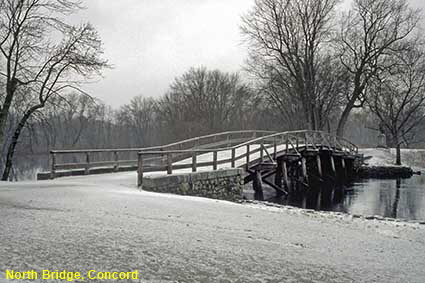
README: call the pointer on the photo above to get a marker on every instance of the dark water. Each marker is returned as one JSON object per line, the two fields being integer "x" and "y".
{"x": 403, "y": 198}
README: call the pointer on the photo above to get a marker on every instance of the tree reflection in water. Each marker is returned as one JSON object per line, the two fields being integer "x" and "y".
{"x": 401, "y": 198}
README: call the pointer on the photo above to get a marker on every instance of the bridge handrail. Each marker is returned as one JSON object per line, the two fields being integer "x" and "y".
{"x": 211, "y": 140}
{"x": 340, "y": 144}
{"x": 70, "y": 151}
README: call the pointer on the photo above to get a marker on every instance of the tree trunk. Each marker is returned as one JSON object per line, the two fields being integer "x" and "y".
{"x": 398, "y": 155}
{"x": 4, "y": 110}
{"x": 14, "y": 142}
{"x": 342, "y": 121}
{"x": 350, "y": 105}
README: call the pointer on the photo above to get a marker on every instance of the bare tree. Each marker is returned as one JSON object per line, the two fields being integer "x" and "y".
{"x": 37, "y": 66}
{"x": 202, "y": 101}
{"x": 139, "y": 118}
{"x": 288, "y": 40}
{"x": 371, "y": 31}
{"x": 397, "y": 96}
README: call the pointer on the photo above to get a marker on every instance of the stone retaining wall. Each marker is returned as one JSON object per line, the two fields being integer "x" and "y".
{"x": 219, "y": 184}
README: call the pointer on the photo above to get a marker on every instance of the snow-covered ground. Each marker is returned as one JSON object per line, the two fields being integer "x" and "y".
{"x": 104, "y": 223}
{"x": 386, "y": 157}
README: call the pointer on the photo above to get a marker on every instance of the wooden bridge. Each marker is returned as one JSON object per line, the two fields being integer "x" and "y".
{"x": 303, "y": 156}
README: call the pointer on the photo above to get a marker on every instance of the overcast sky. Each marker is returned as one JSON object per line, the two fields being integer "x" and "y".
{"x": 150, "y": 42}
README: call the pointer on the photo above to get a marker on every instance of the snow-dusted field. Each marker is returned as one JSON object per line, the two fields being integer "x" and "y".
{"x": 386, "y": 157}
{"x": 103, "y": 222}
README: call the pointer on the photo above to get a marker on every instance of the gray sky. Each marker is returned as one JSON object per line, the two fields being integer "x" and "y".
{"x": 150, "y": 42}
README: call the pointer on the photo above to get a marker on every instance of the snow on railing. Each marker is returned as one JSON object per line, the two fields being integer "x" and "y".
{"x": 86, "y": 159}
{"x": 242, "y": 154}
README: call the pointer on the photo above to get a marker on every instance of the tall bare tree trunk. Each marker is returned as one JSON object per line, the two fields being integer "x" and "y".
{"x": 4, "y": 111}
{"x": 343, "y": 120}
{"x": 14, "y": 142}
{"x": 398, "y": 154}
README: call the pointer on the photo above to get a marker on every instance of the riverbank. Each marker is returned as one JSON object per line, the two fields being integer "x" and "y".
{"x": 384, "y": 172}
{"x": 380, "y": 163}
{"x": 414, "y": 158}
{"x": 105, "y": 223}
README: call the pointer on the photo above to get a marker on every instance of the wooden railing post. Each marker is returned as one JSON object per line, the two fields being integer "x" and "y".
{"x": 233, "y": 158}
{"x": 247, "y": 156}
{"x": 261, "y": 152}
{"x": 333, "y": 164}
{"x": 169, "y": 164}
{"x": 53, "y": 165}
{"x": 319, "y": 165}
{"x": 287, "y": 145}
{"x": 285, "y": 175}
{"x": 193, "y": 161}
{"x": 140, "y": 169}
{"x": 306, "y": 140}
{"x": 214, "y": 160}
{"x": 87, "y": 169}
{"x": 274, "y": 149}
{"x": 116, "y": 165}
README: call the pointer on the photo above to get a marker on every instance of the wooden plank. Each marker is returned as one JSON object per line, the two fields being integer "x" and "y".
{"x": 248, "y": 153}
{"x": 279, "y": 174}
{"x": 261, "y": 152}
{"x": 264, "y": 166}
{"x": 117, "y": 164}
{"x": 169, "y": 164}
{"x": 53, "y": 165}
{"x": 306, "y": 140}
{"x": 285, "y": 174}
{"x": 194, "y": 161}
{"x": 87, "y": 167}
{"x": 67, "y": 166}
{"x": 319, "y": 165}
{"x": 333, "y": 164}
{"x": 140, "y": 170}
{"x": 304, "y": 167}
{"x": 267, "y": 153}
{"x": 257, "y": 185}
{"x": 282, "y": 191}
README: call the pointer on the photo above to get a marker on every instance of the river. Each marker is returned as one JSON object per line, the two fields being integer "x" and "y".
{"x": 394, "y": 198}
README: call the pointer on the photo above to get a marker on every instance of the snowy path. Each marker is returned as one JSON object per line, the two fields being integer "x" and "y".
{"x": 104, "y": 223}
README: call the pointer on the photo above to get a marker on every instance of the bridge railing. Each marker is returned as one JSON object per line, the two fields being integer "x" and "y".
{"x": 242, "y": 154}
{"x": 116, "y": 159}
